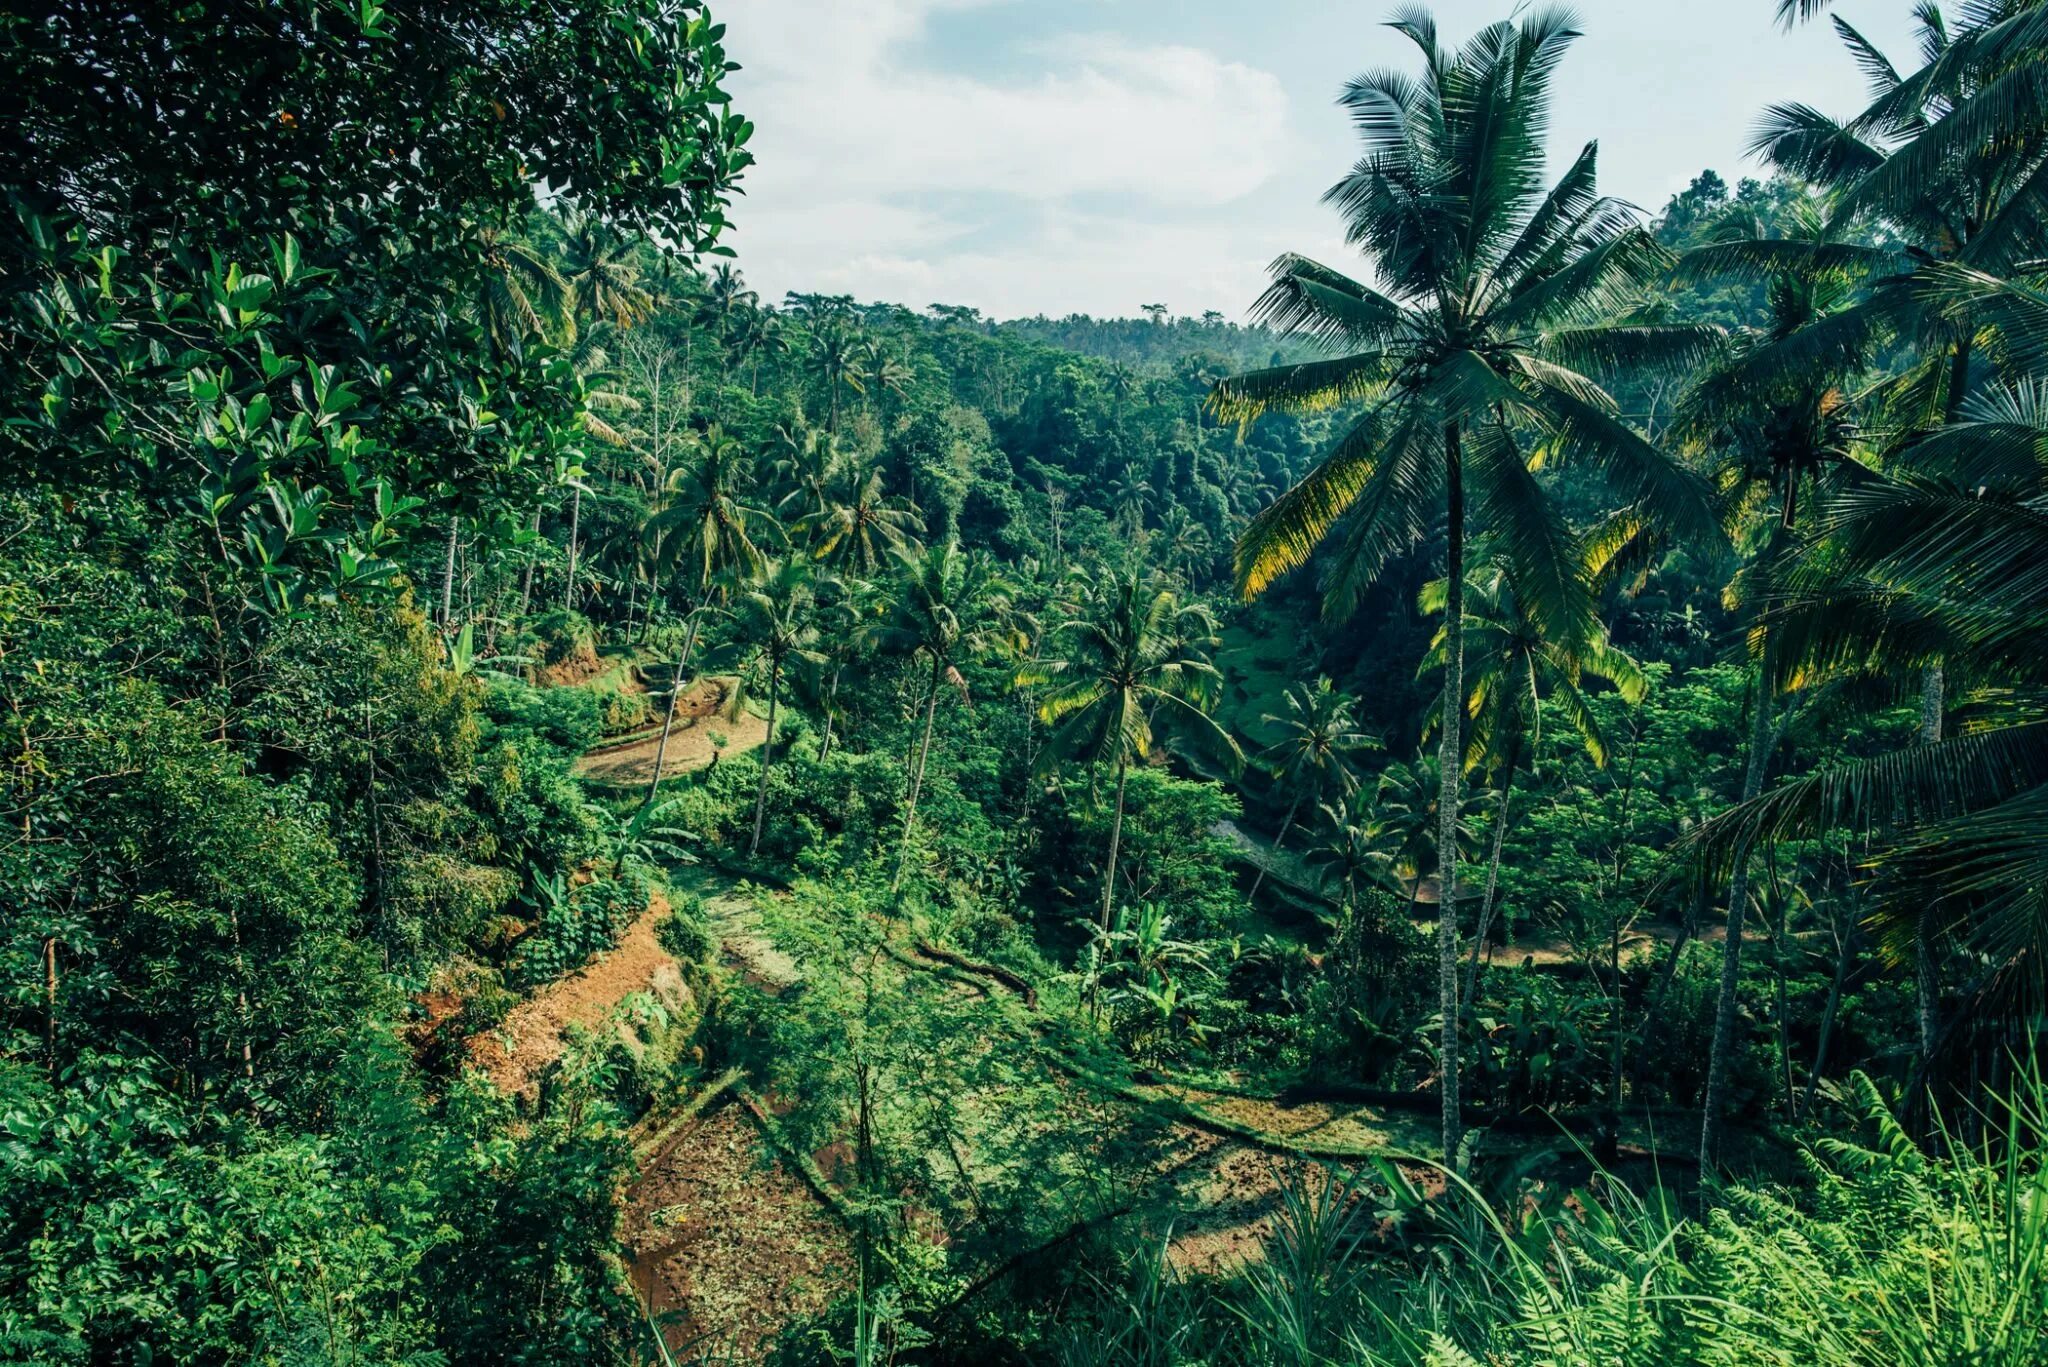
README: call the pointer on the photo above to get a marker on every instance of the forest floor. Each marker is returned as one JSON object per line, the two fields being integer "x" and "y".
{"x": 702, "y": 732}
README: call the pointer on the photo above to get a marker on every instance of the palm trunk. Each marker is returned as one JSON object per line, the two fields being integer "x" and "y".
{"x": 1286, "y": 825}
{"x": 1500, "y": 832}
{"x": 1116, "y": 837}
{"x": 767, "y": 762}
{"x": 1450, "y": 758}
{"x": 924, "y": 750}
{"x": 831, "y": 702}
{"x": 1926, "y": 968}
{"x": 575, "y": 520}
{"x": 668, "y": 719}
{"x": 1760, "y": 738}
{"x": 526, "y": 578}
{"x": 448, "y": 574}
{"x": 1844, "y": 948}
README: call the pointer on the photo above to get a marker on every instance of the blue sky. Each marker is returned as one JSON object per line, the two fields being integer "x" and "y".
{"x": 1028, "y": 156}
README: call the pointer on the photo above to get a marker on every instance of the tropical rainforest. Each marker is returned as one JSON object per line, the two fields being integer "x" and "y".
{"x": 560, "y": 811}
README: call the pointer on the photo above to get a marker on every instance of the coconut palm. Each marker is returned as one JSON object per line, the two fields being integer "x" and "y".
{"x": 860, "y": 526}
{"x": 520, "y": 294}
{"x": 882, "y": 372}
{"x": 774, "y": 631}
{"x": 1118, "y": 671}
{"x": 835, "y": 360}
{"x": 1774, "y": 418}
{"x": 806, "y": 460}
{"x": 1319, "y": 736}
{"x": 1511, "y": 667}
{"x": 1490, "y": 305}
{"x": 705, "y": 530}
{"x": 946, "y": 607}
{"x": 603, "y": 278}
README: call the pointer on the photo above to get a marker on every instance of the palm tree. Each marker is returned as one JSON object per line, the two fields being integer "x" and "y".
{"x": 835, "y": 359}
{"x": 1351, "y": 852}
{"x": 598, "y": 266}
{"x": 1119, "y": 670}
{"x": 704, "y": 530}
{"x": 808, "y": 460}
{"x": 774, "y": 631}
{"x": 760, "y": 334}
{"x": 882, "y": 372}
{"x": 1489, "y": 306}
{"x": 1775, "y": 416}
{"x": 1510, "y": 668}
{"x": 1313, "y": 757}
{"x": 726, "y": 299}
{"x": 519, "y": 292}
{"x": 860, "y": 526}
{"x": 948, "y": 607}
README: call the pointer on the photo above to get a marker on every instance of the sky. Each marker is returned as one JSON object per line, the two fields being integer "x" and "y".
{"x": 1056, "y": 156}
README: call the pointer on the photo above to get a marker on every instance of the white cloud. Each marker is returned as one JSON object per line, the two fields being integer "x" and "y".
{"x": 855, "y": 140}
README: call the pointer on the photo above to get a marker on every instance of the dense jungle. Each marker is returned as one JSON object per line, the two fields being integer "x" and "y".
{"x": 1489, "y": 812}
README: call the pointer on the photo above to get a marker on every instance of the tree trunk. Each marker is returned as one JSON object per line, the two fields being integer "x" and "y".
{"x": 1450, "y": 759}
{"x": 767, "y": 762}
{"x": 668, "y": 719}
{"x": 1926, "y": 966}
{"x": 526, "y": 578}
{"x": 1760, "y": 745}
{"x": 448, "y": 574}
{"x": 569, "y": 580}
{"x": 924, "y": 750}
{"x": 1286, "y": 825}
{"x": 1116, "y": 836}
{"x": 831, "y": 701}
{"x": 1844, "y": 948}
{"x": 1500, "y": 832}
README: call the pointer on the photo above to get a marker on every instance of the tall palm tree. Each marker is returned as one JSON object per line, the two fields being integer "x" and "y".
{"x": 760, "y": 333}
{"x": 835, "y": 360}
{"x": 1491, "y": 300}
{"x": 1313, "y": 758}
{"x": 1774, "y": 415}
{"x": 775, "y": 630}
{"x": 1120, "y": 669}
{"x": 860, "y": 526}
{"x": 599, "y": 267}
{"x": 723, "y": 310}
{"x": 806, "y": 461}
{"x": 882, "y": 371}
{"x": 706, "y": 530}
{"x": 1511, "y": 666}
{"x": 948, "y": 606}
{"x": 519, "y": 292}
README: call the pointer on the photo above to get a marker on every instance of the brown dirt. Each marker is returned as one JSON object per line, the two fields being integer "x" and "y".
{"x": 572, "y": 669}
{"x": 699, "y": 712}
{"x": 728, "y": 1247}
{"x": 536, "y": 1031}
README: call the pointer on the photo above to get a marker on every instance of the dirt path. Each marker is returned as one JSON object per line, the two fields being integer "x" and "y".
{"x": 536, "y": 1031}
{"x": 700, "y": 715}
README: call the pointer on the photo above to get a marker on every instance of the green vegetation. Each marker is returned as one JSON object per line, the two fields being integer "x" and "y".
{"x": 558, "y": 812}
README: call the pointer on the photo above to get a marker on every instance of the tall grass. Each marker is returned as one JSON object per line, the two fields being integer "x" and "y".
{"x": 1879, "y": 1254}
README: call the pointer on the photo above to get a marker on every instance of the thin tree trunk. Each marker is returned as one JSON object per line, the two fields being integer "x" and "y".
{"x": 831, "y": 702}
{"x": 1116, "y": 835}
{"x": 1926, "y": 968}
{"x": 1844, "y": 947}
{"x": 767, "y": 762}
{"x": 1450, "y": 758}
{"x": 1500, "y": 832}
{"x": 448, "y": 574}
{"x": 1780, "y": 934}
{"x": 1286, "y": 825}
{"x": 50, "y": 1001}
{"x": 668, "y": 719}
{"x": 1760, "y": 745}
{"x": 924, "y": 750}
{"x": 526, "y": 578}
{"x": 569, "y": 580}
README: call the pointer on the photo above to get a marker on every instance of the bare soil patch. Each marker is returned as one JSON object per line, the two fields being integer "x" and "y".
{"x": 700, "y": 712}
{"x": 536, "y": 1031}
{"x": 727, "y": 1247}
